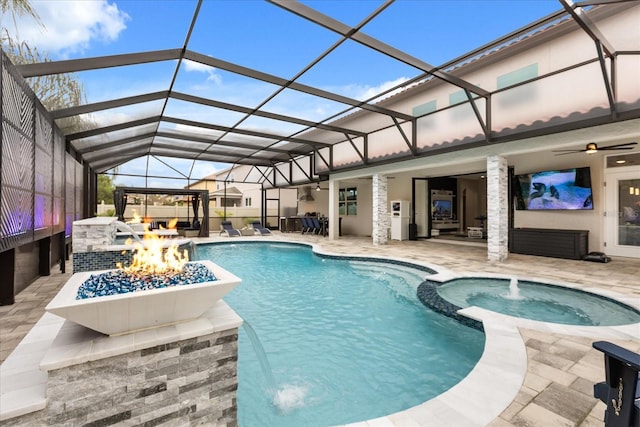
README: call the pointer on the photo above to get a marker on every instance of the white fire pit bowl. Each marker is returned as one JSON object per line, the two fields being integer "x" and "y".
{"x": 134, "y": 311}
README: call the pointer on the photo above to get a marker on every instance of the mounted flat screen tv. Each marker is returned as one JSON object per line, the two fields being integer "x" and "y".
{"x": 441, "y": 208}
{"x": 567, "y": 189}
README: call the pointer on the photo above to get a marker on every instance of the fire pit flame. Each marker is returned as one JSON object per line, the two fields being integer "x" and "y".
{"x": 152, "y": 257}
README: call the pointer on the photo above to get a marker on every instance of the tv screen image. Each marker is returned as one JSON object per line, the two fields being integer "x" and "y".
{"x": 555, "y": 190}
{"x": 441, "y": 208}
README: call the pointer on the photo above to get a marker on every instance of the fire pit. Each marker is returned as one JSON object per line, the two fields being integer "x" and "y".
{"x": 160, "y": 287}
{"x": 132, "y": 311}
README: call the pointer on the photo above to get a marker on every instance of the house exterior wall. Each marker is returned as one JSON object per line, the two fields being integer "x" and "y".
{"x": 361, "y": 224}
{"x": 591, "y": 220}
{"x": 580, "y": 90}
{"x": 400, "y": 188}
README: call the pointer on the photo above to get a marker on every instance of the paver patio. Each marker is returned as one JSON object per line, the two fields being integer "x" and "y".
{"x": 558, "y": 387}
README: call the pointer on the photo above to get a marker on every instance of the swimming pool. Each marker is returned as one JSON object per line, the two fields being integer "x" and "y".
{"x": 347, "y": 339}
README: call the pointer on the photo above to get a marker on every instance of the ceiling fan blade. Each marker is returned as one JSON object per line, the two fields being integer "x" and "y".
{"x": 563, "y": 152}
{"x": 592, "y": 148}
{"x": 568, "y": 151}
{"x": 625, "y": 146}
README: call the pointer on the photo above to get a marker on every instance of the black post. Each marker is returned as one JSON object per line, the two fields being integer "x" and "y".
{"x": 413, "y": 231}
{"x": 63, "y": 252}
{"x": 7, "y": 266}
{"x": 44, "y": 258}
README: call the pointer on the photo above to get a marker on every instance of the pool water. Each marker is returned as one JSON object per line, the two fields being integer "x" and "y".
{"x": 346, "y": 340}
{"x": 537, "y": 301}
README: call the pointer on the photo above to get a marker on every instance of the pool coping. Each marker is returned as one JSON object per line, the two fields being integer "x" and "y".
{"x": 494, "y": 382}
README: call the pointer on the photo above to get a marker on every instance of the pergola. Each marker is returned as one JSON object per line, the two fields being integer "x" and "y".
{"x": 197, "y": 196}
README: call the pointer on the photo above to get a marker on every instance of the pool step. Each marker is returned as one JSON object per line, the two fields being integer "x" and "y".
{"x": 387, "y": 271}
{"x": 402, "y": 281}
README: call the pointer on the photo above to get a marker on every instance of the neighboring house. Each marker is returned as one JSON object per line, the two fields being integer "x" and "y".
{"x": 230, "y": 196}
{"x": 226, "y": 191}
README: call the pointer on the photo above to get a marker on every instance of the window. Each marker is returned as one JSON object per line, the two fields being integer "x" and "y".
{"x": 460, "y": 96}
{"x": 247, "y": 201}
{"x": 464, "y": 111}
{"x": 425, "y": 108}
{"x": 518, "y": 96}
{"x": 348, "y": 201}
{"x": 518, "y": 76}
{"x": 457, "y": 97}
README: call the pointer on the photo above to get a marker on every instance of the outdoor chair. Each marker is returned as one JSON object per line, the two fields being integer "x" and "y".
{"x": 621, "y": 390}
{"x": 324, "y": 226}
{"x": 192, "y": 231}
{"x": 183, "y": 224}
{"x": 259, "y": 228}
{"x": 317, "y": 228}
{"x": 306, "y": 225}
{"x": 227, "y": 227}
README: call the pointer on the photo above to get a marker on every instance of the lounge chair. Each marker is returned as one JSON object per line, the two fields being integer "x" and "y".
{"x": 259, "y": 228}
{"x": 227, "y": 227}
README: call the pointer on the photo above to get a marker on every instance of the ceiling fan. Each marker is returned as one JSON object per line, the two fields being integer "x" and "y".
{"x": 592, "y": 147}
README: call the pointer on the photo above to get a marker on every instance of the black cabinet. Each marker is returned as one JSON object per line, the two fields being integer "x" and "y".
{"x": 570, "y": 244}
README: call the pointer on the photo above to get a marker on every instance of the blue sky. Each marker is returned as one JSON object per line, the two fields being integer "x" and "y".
{"x": 262, "y": 36}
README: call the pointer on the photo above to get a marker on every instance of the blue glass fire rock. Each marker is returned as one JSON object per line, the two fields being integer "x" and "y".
{"x": 118, "y": 282}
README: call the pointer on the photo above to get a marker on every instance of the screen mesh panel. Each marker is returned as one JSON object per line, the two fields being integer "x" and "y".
{"x": 32, "y": 163}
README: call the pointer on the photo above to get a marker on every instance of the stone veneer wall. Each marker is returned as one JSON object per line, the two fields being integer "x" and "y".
{"x": 380, "y": 231}
{"x": 497, "y": 208}
{"x": 91, "y": 232}
{"x": 193, "y": 381}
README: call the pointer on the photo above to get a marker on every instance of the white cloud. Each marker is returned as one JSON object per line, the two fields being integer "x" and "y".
{"x": 70, "y": 26}
{"x": 213, "y": 76}
{"x": 196, "y": 66}
{"x": 361, "y": 92}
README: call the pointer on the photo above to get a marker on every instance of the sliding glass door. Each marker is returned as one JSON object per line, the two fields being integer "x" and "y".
{"x": 622, "y": 220}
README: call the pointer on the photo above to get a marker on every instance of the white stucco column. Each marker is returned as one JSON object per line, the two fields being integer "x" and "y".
{"x": 380, "y": 230}
{"x": 497, "y": 208}
{"x": 334, "y": 215}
